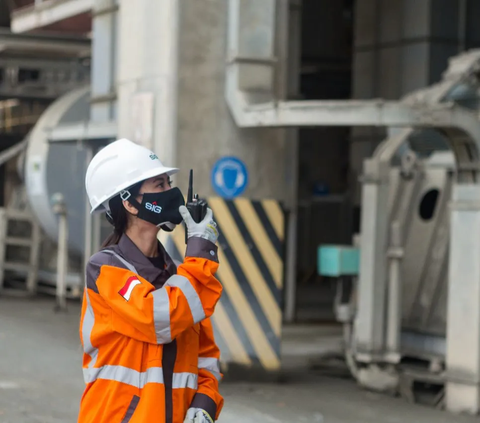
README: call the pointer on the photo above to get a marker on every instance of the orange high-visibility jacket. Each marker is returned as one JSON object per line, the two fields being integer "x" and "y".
{"x": 149, "y": 349}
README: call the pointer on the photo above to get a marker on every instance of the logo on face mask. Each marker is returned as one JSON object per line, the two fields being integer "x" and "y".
{"x": 160, "y": 208}
{"x": 153, "y": 207}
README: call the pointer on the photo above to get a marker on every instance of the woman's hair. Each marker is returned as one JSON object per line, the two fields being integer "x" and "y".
{"x": 119, "y": 216}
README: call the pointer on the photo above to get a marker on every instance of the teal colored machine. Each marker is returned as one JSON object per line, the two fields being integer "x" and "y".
{"x": 338, "y": 261}
{"x": 342, "y": 263}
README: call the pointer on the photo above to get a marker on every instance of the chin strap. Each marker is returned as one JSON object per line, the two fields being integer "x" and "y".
{"x": 168, "y": 227}
{"x": 108, "y": 215}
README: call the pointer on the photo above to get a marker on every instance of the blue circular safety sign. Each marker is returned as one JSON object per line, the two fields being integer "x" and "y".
{"x": 229, "y": 177}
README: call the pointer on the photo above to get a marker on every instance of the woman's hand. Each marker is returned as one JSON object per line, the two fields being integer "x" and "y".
{"x": 197, "y": 415}
{"x": 206, "y": 229}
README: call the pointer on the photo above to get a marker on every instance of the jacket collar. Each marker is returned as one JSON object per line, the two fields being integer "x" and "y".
{"x": 144, "y": 266}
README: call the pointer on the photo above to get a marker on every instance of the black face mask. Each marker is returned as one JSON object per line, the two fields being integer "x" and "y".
{"x": 159, "y": 208}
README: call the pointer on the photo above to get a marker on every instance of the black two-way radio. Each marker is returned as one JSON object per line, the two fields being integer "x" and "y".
{"x": 196, "y": 207}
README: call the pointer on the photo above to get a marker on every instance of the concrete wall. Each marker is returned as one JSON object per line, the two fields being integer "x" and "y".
{"x": 205, "y": 128}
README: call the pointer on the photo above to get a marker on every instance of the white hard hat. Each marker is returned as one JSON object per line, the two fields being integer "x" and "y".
{"x": 118, "y": 166}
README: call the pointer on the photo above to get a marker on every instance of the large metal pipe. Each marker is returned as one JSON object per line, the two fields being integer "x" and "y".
{"x": 60, "y": 209}
{"x": 293, "y": 38}
{"x": 462, "y": 25}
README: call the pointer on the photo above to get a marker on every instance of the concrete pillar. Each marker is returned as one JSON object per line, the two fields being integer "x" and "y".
{"x": 147, "y": 75}
{"x": 462, "y": 394}
{"x": 205, "y": 128}
{"x": 463, "y": 314}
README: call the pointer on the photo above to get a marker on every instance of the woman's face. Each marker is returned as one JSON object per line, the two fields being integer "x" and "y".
{"x": 156, "y": 184}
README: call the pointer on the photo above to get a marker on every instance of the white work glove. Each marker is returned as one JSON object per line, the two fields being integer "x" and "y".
{"x": 206, "y": 229}
{"x": 197, "y": 415}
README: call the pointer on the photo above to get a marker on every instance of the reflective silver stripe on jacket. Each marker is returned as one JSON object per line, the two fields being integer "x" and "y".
{"x": 196, "y": 307}
{"x": 124, "y": 375}
{"x": 87, "y": 327}
{"x": 161, "y": 316}
{"x": 185, "y": 380}
{"x": 125, "y": 262}
{"x": 139, "y": 379}
{"x": 212, "y": 365}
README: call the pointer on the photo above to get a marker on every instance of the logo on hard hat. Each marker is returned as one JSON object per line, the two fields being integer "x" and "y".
{"x": 153, "y": 156}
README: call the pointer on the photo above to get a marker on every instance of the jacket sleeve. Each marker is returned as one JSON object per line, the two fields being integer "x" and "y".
{"x": 208, "y": 396}
{"x": 158, "y": 316}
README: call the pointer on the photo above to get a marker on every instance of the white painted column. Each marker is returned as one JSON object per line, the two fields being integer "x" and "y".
{"x": 463, "y": 313}
{"x": 104, "y": 61}
{"x": 147, "y": 75}
{"x": 372, "y": 288}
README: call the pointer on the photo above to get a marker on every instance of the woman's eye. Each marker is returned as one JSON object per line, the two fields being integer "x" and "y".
{"x": 162, "y": 184}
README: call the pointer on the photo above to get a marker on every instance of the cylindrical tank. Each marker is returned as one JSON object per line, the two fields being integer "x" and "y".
{"x": 51, "y": 167}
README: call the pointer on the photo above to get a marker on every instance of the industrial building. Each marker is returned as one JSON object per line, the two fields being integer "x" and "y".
{"x": 337, "y": 142}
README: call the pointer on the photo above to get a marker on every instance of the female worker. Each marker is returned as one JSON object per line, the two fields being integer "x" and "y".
{"x": 149, "y": 351}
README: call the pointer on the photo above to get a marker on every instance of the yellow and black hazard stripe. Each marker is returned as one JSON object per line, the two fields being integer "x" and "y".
{"x": 248, "y": 318}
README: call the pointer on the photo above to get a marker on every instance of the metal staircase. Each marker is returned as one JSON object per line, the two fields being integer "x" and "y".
{"x": 20, "y": 238}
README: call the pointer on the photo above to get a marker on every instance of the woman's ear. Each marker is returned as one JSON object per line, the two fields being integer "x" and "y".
{"x": 129, "y": 207}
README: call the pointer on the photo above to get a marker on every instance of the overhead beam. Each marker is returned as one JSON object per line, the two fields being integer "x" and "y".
{"x": 251, "y": 96}
{"x": 348, "y": 113}
{"x": 81, "y": 131}
{"x": 41, "y": 45}
{"x": 46, "y": 13}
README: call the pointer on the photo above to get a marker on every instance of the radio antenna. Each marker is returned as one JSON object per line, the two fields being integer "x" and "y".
{"x": 190, "y": 187}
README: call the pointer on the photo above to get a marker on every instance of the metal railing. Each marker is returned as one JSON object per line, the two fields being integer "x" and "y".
{"x": 31, "y": 80}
